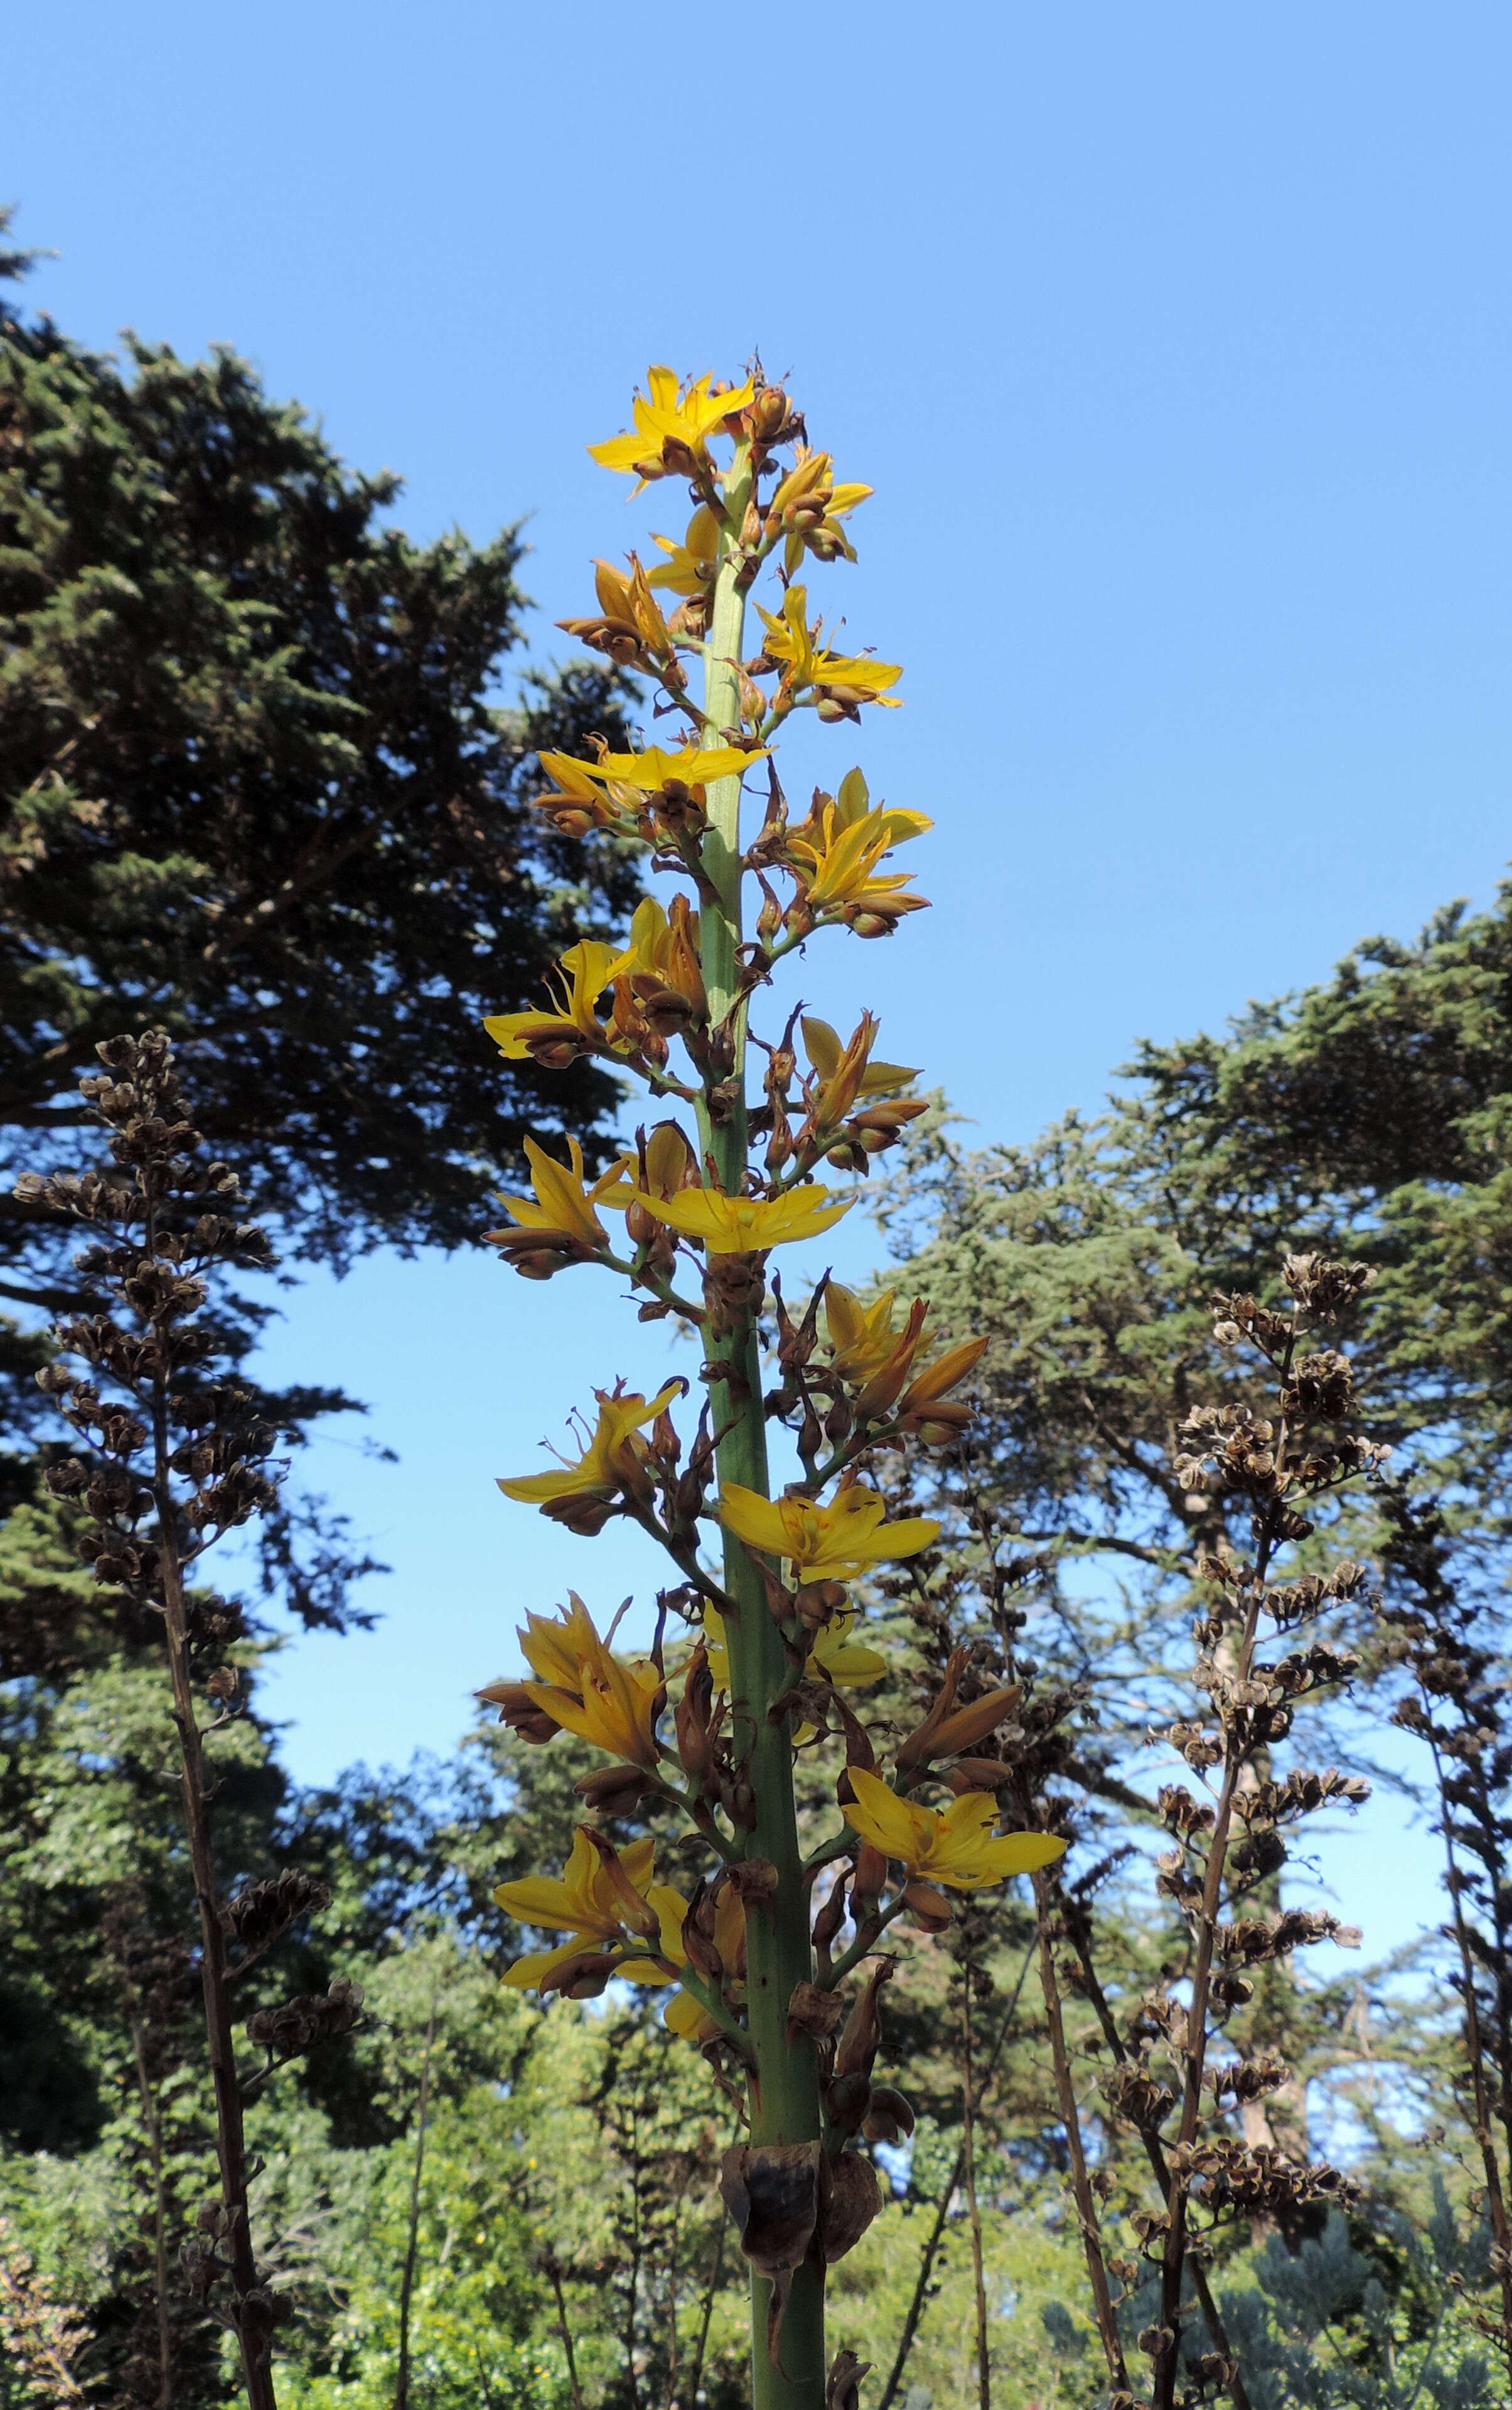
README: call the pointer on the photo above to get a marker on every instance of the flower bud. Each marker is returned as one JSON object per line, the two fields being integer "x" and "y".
{"x": 581, "y": 1978}
{"x": 890, "y": 2118}
{"x": 669, "y": 1160}
{"x": 929, "y": 1908}
{"x": 766, "y": 416}
{"x": 615, "y": 1788}
{"x": 517, "y": 1709}
{"x": 631, "y": 1907}
{"x": 861, "y": 2037}
{"x": 977, "y": 1774}
{"x": 871, "y": 1875}
{"x": 847, "y": 2099}
{"x": 831, "y": 1917}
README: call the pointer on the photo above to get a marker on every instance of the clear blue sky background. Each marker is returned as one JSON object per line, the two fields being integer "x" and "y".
{"x": 1175, "y": 341}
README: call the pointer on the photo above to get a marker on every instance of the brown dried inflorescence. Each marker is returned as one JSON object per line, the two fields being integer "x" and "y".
{"x": 174, "y": 1454}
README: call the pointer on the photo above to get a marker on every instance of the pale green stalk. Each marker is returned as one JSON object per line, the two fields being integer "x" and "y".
{"x": 785, "y": 2104}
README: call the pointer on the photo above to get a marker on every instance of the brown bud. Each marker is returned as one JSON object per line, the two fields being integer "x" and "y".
{"x": 766, "y": 414}
{"x": 535, "y": 1254}
{"x": 813, "y": 2013}
{"x": 869, "y": 1877}
{"x": 847, "y": 2099}
{"x": 977, "y": 1774}
{"x": 966, "y": 1726}
{"x": 863, "y": 2033}
{"x": 698, "y": 1935}
{"x": 890, "y": 2118}
{"x": 816, "y": 1603}
{"x": 582, "y": 1978}
{"x": 843, "y": 2392}
{"x": 631, "y": 1907}
{"x": 517, "y": 1709}
{"x": 614, "y": 1787}
{"x": 692, "y": 1718}
{"x": 831, "y": 1917}
{"x": 929, "y": 1908}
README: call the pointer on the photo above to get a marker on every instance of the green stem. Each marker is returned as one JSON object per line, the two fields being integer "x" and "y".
{"x": 785, "y": 2103}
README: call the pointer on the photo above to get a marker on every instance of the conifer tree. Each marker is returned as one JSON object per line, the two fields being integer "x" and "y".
{"x": 257, "y": 788}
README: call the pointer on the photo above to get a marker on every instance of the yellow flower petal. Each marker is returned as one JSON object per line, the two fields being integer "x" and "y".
{"x": 825, "y": 1542}
{"x": 735, "y": 1226}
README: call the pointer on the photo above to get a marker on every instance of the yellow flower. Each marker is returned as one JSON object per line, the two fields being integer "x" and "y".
{"x": 924, "y": 1405}
{"x": 694, "y": 765}
{"x": 556, "y": 1039}
{"x": 862, "y": 1337}
{"x": 741, "y": 1225}
{"x": 877, "y": 1360}
{"x": 835, "y": 1066}
{"x": 588, "y": 1904}
{"x": 690, "y": 568}
{"x": 832, "y": 1543}
{"x": 573, "y": 802}
{"x": 613, "y": 1457}
{"x": 852, "y": 803}
{"x": 834, "y": 855}
{"x": 605, "y": 794}
{"x": 798, "y": 647}
{"x": 630, "y": 627}
{"x": 809, "y": 508}
{"x": 589, "y": 1690}
{"x": 956, "y": 1848}
{"x": 834, "y": 1657}
{"x": 563, "y": 1205}
{"x": 686, "y": 417}
{"x": 665, "y": 950}
{"x": 837, "y": 869}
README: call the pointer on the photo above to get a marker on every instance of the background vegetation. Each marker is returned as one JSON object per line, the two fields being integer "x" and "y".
{"x": 258, "y": 791}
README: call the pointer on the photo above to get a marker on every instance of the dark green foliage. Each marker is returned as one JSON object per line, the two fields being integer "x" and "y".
{"x": 255, "y": 788}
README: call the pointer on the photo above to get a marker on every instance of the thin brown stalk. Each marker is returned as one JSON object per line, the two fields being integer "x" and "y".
{"x": 968, "y": 2161}
{"x": 695, "y": 2376}
{"x": 672, "y": 2299}
{"x": 1476, "y": 2058}
{"x": 942, "y": 2206}
{"x": 152, "y": 2125}
{"x": 412, "y": 2242}
{"x": 553, "y": 2268}
{"x": 1174, "y": 2254}
{"x": 1154, "y": 2151}
{"x": 1086, "y": 2207}
{"x": 253, "y": 2325}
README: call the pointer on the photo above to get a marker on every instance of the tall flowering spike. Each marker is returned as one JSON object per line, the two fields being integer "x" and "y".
{"x": 722, "y": 631}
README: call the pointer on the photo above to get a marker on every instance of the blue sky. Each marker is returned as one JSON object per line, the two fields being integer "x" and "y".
{"x": 1175, "y": 342}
